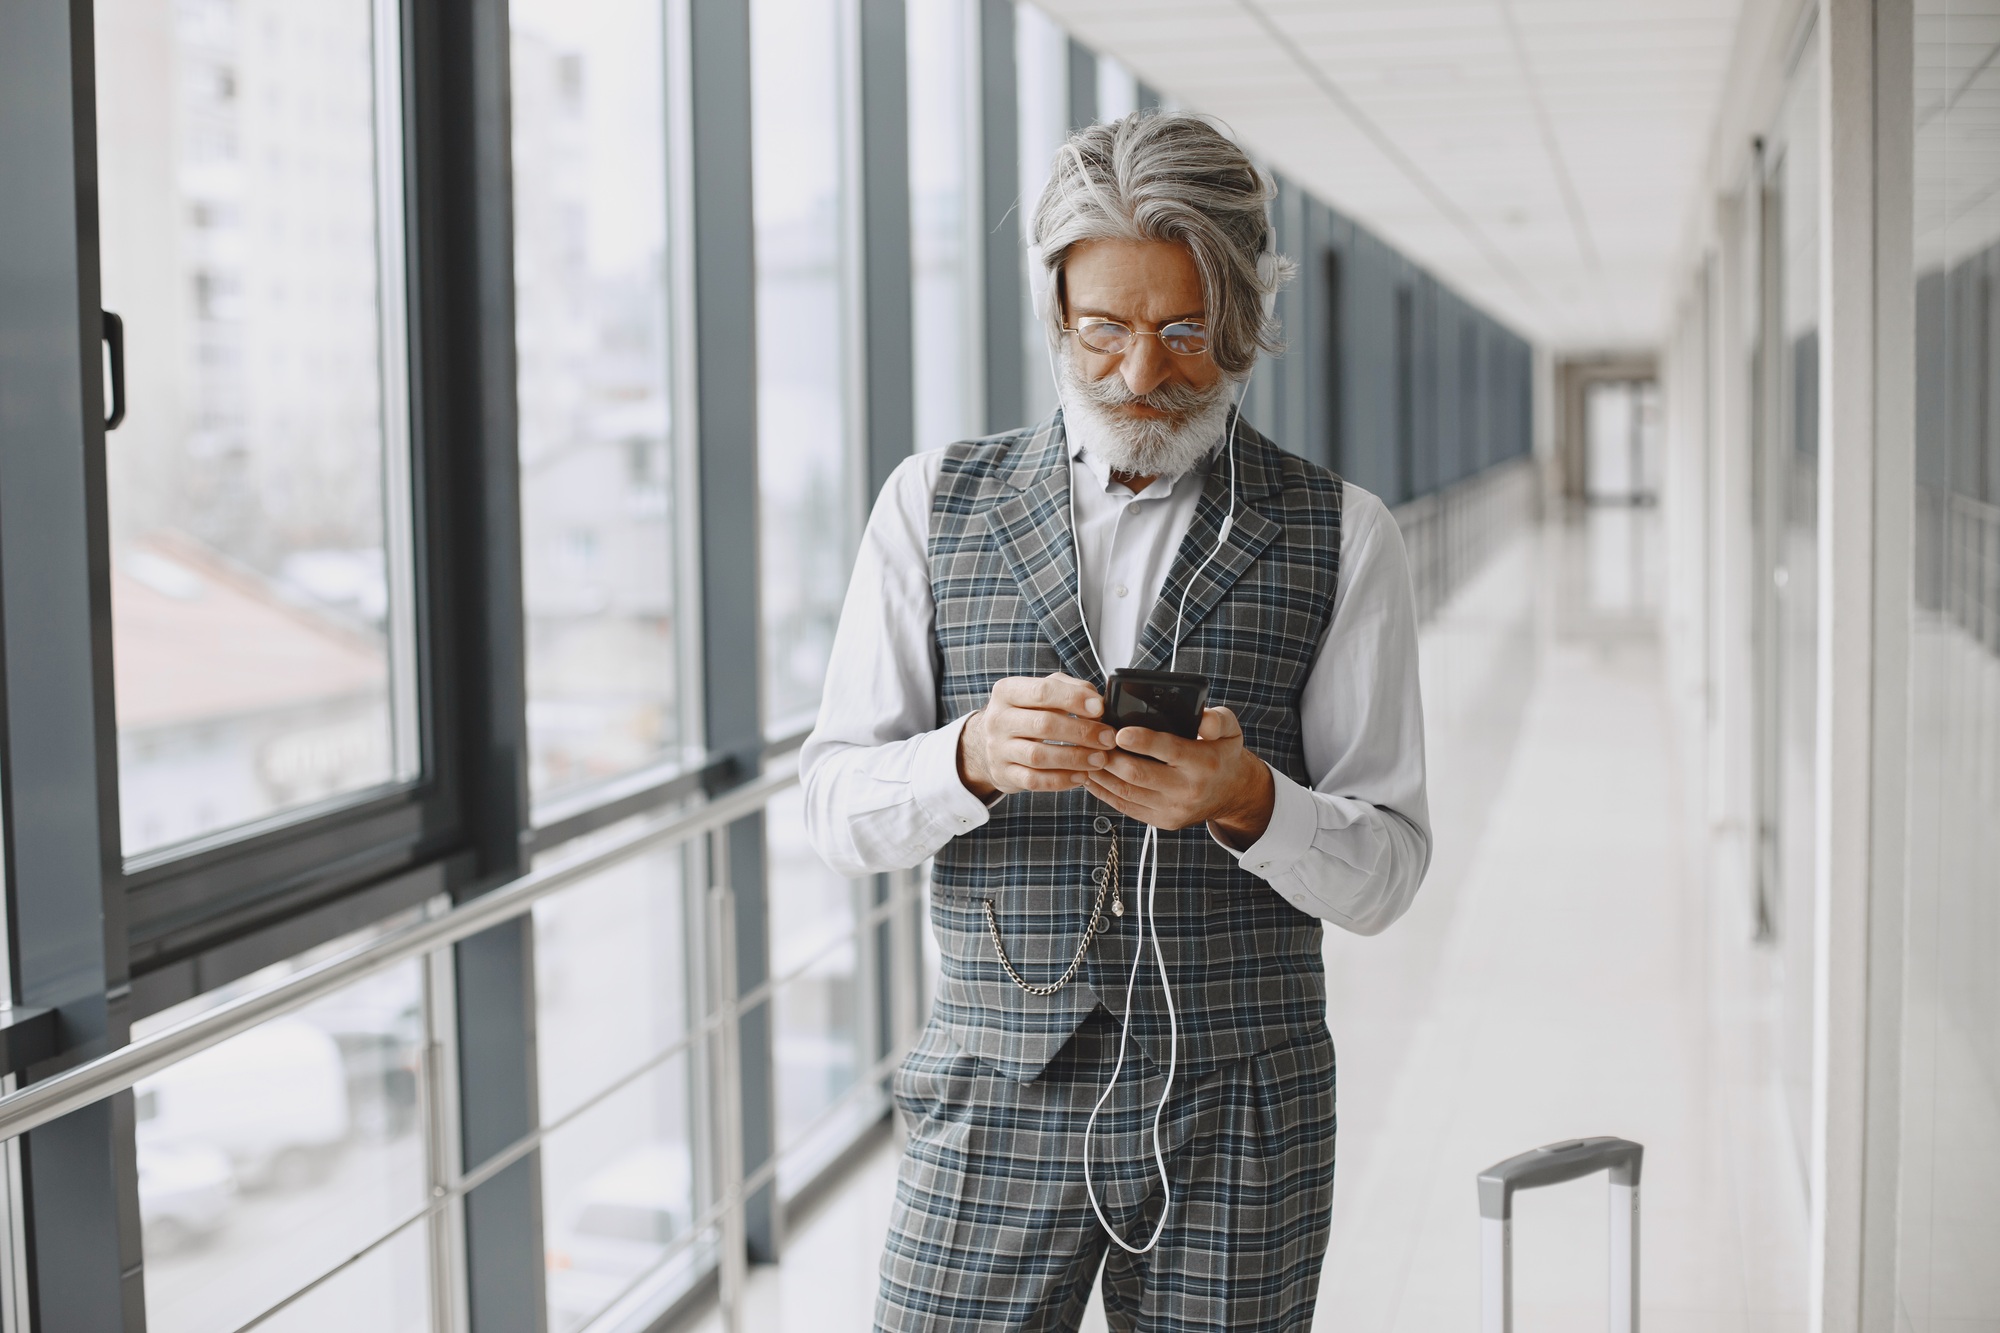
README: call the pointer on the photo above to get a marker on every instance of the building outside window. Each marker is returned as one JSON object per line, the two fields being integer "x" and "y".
{"x": 811, "y": 506}
{"x": 1041, "y": 66}
{"x": 598, "y": 462}
{"x": 250, "y": 228}
{"x": 944, "y": 228}
{"x": 809, "y": 479}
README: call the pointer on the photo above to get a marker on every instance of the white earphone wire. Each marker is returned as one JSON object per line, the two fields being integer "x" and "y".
{"x": 1145, "y": 890}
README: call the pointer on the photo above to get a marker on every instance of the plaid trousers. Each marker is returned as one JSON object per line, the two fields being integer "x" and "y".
{"x": 992, "y": 1229}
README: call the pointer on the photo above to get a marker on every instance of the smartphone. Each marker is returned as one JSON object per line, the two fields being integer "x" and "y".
{"x": 1170, "y": 701}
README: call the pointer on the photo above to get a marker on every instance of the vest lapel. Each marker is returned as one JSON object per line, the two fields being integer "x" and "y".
{"x": 1031, "y": 529}
{"x": 1248, "y": 537}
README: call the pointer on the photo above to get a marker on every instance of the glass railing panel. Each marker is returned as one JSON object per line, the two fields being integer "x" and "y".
{"x": 819, "y": 1013}
{"x": 269, "y": 1160}
{"x": 618, "y": 1190}
{"x": 810, "y": 905}
{"x": 611, "y": 968}
{"x": 387, "y": 1290}
{"x": 820, "y": 1053}
{"x": 612, "y": 991}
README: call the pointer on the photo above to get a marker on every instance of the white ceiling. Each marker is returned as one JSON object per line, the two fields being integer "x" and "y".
{"x": 1537, "y": 154}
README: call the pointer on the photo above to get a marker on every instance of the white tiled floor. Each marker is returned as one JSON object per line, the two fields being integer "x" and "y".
{"x": 1566, "y": 971}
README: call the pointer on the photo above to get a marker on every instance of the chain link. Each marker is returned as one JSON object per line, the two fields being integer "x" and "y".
{"x": 1107, "y": 884}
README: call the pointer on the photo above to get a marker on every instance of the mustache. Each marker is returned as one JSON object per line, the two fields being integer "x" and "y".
{"x": 1176, "y": 400}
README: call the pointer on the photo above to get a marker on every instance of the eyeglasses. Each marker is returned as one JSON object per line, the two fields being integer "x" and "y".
{"x": 1108, "y": 337}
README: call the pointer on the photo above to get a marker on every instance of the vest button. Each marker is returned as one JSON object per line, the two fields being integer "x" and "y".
{"x": 1101, "y": 824}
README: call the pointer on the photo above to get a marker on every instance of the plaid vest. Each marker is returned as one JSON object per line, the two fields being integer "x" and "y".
{"x": 1245, "y": 964}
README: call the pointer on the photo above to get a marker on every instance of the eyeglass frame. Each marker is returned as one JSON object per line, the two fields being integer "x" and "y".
{"x": 1160, "y": 333}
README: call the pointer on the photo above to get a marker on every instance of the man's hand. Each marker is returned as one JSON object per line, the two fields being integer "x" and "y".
{"x": 1213, "y": 780}
{"x": 1035, "y": 734}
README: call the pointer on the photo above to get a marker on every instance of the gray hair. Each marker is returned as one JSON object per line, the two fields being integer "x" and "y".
{"x": 1156, "y": 177}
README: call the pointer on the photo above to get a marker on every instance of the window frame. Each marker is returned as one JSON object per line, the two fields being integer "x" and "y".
{"x": 200, "y": 913}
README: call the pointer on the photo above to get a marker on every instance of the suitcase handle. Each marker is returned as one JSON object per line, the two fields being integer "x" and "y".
{"x": 1553, "y": 1165}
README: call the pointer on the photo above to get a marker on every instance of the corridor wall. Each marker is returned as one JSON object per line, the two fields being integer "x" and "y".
{"x": 1833, "y": 520}
{"x": 1389, "y": 376}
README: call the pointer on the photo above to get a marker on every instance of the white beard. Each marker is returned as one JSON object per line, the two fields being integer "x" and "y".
{"x": 1170, "y": 446}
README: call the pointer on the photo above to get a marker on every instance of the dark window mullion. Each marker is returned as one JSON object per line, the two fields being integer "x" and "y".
{"x": 725, "y": 416}
{"x": 58, "y": 744}
{"x": 468, "y": 493}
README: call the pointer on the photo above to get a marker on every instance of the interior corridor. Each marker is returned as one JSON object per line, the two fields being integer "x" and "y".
{"x": 1566, "y": 971}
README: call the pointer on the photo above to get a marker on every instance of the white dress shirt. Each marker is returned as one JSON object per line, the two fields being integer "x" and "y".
{"x": 882, "y": 790}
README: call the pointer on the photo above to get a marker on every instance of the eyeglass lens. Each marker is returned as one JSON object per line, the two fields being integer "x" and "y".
{"x": 1108, "y": 337}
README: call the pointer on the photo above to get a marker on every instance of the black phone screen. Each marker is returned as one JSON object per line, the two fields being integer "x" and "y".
{"x": 1170, "y": 701}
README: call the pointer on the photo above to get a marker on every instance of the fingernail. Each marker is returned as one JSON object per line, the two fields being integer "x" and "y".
{"x": 1093, "y": 707}
{"x": 1107, "y": 738}
{"x": 1079, "y": 780}
{"x": 1097, "y": 761}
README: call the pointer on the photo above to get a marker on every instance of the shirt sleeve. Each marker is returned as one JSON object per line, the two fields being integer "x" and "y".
{"x": 881, "y": 777}
{"x": 1353, "y": 847}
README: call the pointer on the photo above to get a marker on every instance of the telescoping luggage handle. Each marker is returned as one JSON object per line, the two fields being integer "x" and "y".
{"x": 1551, "y": 1166}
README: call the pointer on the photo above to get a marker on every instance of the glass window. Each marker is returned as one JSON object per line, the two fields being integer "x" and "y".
{"x": 1117, "y": 90}
{"x": 1949, "y": 1179}
{"x": 1786, "y": 488}
{"x": 267, "y": 1162}
{"x": 1041, "y": 64}
{"x": 809, "y": 482}
{"x": 944, "y": 235}
{"x": 596, "y": 419}
{"x": 611, "y": 998}
{"x": 251, "y": 241}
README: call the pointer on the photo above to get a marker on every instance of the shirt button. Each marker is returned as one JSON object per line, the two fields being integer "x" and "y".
{"x": 1121, "y": 590}
{"x": 1101, "y": 824}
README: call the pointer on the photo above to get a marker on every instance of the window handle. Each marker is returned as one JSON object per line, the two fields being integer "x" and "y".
{"x": 114, "y": 335}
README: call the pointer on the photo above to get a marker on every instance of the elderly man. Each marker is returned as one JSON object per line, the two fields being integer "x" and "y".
{"x": 999, "y": 582}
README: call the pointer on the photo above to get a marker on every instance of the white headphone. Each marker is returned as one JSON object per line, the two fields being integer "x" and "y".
{"x": 1041, "y": 289}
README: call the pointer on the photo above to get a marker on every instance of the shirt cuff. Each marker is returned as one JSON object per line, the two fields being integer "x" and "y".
{"x": 934, "y": 782}
{"x": 1287, "y": 838}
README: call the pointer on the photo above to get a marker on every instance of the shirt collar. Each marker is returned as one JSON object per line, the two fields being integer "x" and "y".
{"x": 1078, "y": 433}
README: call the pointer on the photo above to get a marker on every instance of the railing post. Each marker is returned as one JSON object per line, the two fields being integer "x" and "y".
{"x": 443, "y": 1155}
{"x": 732, "y": 1263}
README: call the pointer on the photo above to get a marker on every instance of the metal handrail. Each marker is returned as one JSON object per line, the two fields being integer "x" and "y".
{"x": 736, "y": 1187}
{"x": 1449, "y": 532}
{"x": 93, "y": 1080}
